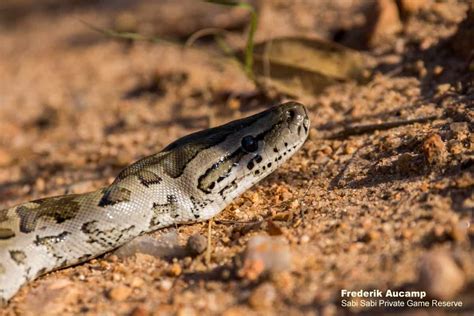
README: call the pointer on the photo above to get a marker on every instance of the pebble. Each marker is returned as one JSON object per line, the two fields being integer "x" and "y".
{"x": 412, "y": 6}
{"x": 440, "y": 276}
{"x": 435, "y": 150}
{"x": 438, "y": 70}
{"x": 196, "y": 244}
{"x": 140, "y": 311}
{"x": 443, "y": 88}
{"x": 304, "y": 239}
{"x": 40, "y": 184}
{"x": 119, "y": 293}
{"x": 265, "y": 254}
{"x": 263, "y": 296}
{"x": 166, "y": 284}
{"x": 175, "y": 269}
{"x": 137, "y": 282}
{"x": 166, "y": 246}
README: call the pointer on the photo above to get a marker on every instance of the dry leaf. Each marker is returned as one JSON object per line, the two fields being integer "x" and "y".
{"x": 301, "y": 66}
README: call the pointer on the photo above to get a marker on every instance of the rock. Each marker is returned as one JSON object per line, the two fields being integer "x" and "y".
{"x": 440, "y": 276}
{"x": 443, "y": 88}
{"x": 384, "y": 21}
{"x": 166, "y": 246}
{"x": 175, "y": 270}
{"x": 265, "y": 254}
{"x": 435, "y": 150}
{"x": 263, "y": 296}
{"x": 137, "y": 282}
{"x": 119, "y": 293}
{"x": 409, "y": 7}
{"x": 140, "y": 310}
{"x": 40, "y": 184}
{"x": 166, "y": 284}
{"x": 196, "y": 244}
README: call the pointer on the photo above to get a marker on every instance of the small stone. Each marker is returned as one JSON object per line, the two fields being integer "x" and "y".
{"x": 304, "y": 239}
{"x": 175, "y": 270}
{"x": 145, "y": 246}
{"x": 265, "y": 254}
{"x": 119, "y": 293}
{"x": 140, "y": 311}
{"x": 294, "y": 204}
{"x": 166, "y": 284}
{"x": 137, "y": 282}
{"x": 435, "y": 150}
{"x": 412, "y": 6}
{"x": 349, "y": 149}
{"x": 263, "y": 297}
{"x": 443, "y": 88}
{"x": 440, "y": 276}
{"x": 420, "y": 68}
{"x": 40, "y": 184}
{"x": 438, "y": 70}
{"x": 234, "y": 104}
{"x": 196, "y": 244}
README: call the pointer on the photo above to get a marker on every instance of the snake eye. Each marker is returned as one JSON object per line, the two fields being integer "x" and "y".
{"x": 249, "y": 144}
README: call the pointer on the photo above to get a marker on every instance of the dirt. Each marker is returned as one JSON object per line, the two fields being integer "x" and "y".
{"x": 380, "y": 196}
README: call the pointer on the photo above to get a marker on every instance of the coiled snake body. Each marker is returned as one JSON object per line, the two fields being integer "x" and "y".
{"x": 190, "y": 180}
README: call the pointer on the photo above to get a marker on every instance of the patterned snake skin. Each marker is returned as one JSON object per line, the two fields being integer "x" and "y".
{"x": 190, "y": 180}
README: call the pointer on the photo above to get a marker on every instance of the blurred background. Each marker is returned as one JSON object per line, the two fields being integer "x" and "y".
{"x": 384, "y": 184}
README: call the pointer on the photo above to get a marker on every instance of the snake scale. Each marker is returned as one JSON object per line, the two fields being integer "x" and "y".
{"x": 191, "y": 180}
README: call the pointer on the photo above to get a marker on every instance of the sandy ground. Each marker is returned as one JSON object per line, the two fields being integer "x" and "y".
{"x": 386, "y": 207}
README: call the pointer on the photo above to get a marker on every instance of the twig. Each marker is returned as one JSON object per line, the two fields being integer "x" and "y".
{"x": 209, "y": 244}
{"x": 363, "y": 129}
{"x": 125, "y": 35}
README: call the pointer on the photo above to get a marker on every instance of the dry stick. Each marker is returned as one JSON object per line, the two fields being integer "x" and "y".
{"x": 209, "y": 244}
{"x": 363, "y": 129}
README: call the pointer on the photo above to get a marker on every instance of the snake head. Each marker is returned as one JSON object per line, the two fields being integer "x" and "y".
{"x": 231, "y": 158}
{"x": 206, "y": 170}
